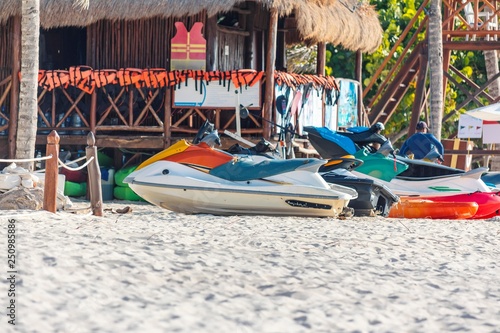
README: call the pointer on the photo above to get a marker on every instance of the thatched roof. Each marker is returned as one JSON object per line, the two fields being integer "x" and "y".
{"x": 350, "y": 23}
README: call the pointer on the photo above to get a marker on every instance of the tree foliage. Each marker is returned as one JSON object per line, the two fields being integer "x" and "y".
{"x": 395, "y": 15}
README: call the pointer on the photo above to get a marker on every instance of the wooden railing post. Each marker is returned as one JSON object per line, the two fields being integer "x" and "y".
{"x": 51, "y": 173}
{"x": 95, "y": 190}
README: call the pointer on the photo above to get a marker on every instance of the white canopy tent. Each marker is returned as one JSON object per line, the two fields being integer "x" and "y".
{"x": 490, "y": 112}
{"x": 489, "y": 116}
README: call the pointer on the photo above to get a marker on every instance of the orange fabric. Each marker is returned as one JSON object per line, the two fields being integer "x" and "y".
{"x": 154, "y": 77}
{"x": 52, "y": 79}
{"x": 81, "y": 77}
{"x": 103, "y": 77}
{"x": 201, "y": 155}
{"x": 128, "y": 76}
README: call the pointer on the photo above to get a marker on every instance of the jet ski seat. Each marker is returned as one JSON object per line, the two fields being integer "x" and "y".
{"x": 245, "y": 168}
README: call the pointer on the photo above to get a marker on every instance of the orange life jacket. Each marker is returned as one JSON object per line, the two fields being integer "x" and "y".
{"x": 154, "y": 77}
{"x": 82, "y": 78}
{"x": 53, "y": 79}
{"x": 129, "y": 76}
{"x": 103, "y": 77}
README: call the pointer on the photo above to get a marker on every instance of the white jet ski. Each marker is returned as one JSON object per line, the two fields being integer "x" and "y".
{"x": 196, "y": 178}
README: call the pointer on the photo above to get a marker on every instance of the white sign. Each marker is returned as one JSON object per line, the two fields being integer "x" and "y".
{"x": 491, "y": 131}
{"x": 214, "y": 95}
{"x": 469, "y": 127}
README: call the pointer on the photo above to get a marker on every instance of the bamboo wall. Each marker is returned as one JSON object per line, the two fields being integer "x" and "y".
{"x": 235, "y": 57}
{"x": 5, "y": 57}
{"x": 138, "y": 43}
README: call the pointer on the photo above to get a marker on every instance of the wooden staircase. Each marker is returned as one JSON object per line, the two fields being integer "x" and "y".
{"x": 412, "y": 62}
{"x": 385, "y": 107}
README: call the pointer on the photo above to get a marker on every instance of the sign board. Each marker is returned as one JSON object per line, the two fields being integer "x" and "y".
{"x": 491, "y": 131}
{"x": 214, "y": 95}
{"x": 348, "y": 103}
{"x": 469, "y": 127}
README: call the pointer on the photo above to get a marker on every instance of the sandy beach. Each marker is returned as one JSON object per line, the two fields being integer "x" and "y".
{"x": 152, "y": 270}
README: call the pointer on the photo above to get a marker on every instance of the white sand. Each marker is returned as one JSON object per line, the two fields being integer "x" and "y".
{"x": 157, "y": 271}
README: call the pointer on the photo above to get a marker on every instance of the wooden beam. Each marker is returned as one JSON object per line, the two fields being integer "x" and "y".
{"x": 249, "y": 41}
{"x": 358, "y": 76}
{"x": 112, "y": 106}
{"x": 167, "y": 132}
{"x": 211, "y": 34}
{"x": 406, "y": 70}
{"x": 14, "y": 92}
{"x": 270, "y": 63}
{"x": 51, "y": 173}
{"x": 477, "y": 45}
{"x": 396, "y": 46}
{"x": 321, "y": 59}
{"x": 148, "y": 106}
{"x": 233, "y": 31}
{"x": 142, "y": 142}
{"x": 420, "y": 91}
{"x": 93, "y": 111}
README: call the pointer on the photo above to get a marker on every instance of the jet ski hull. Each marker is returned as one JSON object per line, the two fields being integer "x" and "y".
{"x": 467, "y": 182}
{"x": 373, "y": 198}
{"x": 184, "y": 189}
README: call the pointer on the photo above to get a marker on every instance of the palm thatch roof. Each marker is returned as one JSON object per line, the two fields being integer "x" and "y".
{"x": 351, "y": 23}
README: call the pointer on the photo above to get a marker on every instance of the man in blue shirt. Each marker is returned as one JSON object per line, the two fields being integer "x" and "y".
{"x": 421, "y": 143}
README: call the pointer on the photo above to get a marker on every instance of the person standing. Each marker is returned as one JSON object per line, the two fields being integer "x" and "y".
{"x": 421, "y": 143}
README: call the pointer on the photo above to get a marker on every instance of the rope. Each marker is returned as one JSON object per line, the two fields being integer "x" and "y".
{"x": 77, "y": 160}
{"x": 26, "y": 159}
{"x": 61, "y": 164}
{"x": 70, "y": 162}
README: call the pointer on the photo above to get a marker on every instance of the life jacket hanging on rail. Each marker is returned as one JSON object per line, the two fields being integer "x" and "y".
{"x": 188, "y": 48}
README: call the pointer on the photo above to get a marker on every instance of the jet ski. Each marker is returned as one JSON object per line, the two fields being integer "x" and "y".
{"x": 374, "y": 198}
{"x": 408, "y": 178}
{"x": 405, "y": 176}
{"x": 198, "y": 178}
{"x": 366, "y": 138}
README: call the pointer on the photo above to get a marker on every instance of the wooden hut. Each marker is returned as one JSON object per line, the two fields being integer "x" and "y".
{"x": 110, "y": 68}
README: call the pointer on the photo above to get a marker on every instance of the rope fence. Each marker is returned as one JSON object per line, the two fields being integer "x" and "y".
{"x": 52, "y": 172}
{"x": 65, "y": 166}
{"x": 22, "y": 160}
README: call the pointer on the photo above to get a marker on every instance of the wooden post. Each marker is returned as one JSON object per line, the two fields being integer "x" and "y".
{"x": 95, "y": 189}
{"x": 420, "y": 91}
{"x": 321, "y": 59}
{"x": 93, "y": 111}
{"x": 51, "y": 173}
{"x": 14, "y": 90}
{"x": 167, "y": 121}
{"x": 211, "y": 35}
{"x": 320, "y": 70}
{"x": 250, "y": 40}
{"x": 270, "y": 64}
{"x": 359, "y": 77}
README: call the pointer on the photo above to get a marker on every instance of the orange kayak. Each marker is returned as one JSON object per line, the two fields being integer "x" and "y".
{"x": 419, "y": 208}
{"x": 489, "y": 202}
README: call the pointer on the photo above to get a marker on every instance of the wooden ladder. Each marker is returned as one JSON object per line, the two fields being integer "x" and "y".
{"x": 415, "y": 66}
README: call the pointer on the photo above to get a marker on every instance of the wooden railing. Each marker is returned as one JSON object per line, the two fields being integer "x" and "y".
{"x": 467, "y": 25}
{"x": 5, "y": 86}
{"x": 120, "y": 116}
{"x": 391, "y": 55}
